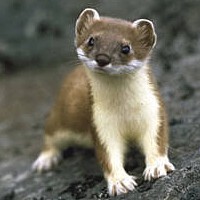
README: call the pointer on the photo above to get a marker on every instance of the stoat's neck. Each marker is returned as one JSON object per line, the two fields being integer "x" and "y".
{"x": 114, "y": 89}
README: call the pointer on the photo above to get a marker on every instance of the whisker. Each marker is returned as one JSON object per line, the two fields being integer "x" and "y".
{"x": 74, "y": 62}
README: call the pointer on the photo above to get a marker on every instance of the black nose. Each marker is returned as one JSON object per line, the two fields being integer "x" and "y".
{"x": 102, "y": 60}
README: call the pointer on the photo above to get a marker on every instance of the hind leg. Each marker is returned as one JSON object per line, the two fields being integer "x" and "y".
{"x": 51, "y": 152}
{"x": 54, "y": 144}
{"x": 47, "y": 159}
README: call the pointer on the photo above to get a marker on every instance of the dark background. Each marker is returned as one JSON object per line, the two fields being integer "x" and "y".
{"x": 37, "y": 50}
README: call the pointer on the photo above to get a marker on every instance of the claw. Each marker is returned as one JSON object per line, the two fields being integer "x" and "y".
{"x": 121, "y": 186}
{"x": 46, "y": 161}
{"x": 159, "y": 169}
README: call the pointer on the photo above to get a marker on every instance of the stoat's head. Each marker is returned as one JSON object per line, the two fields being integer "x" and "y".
{"x": 113, "y": 46}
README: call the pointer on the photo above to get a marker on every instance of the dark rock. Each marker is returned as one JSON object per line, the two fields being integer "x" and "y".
{"x": 9, "y": 196}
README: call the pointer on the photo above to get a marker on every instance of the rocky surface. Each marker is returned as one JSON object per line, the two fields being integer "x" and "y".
{"x": 36, "y": 50}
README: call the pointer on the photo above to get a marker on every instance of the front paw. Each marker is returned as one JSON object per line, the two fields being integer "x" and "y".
{"x": 117, "y": 186}
{"x": 159, "y": 168}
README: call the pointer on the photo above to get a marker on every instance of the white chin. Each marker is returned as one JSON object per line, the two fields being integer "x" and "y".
{"x": 113, "y": 70}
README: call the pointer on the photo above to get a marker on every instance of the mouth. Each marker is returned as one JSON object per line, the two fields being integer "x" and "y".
{"x": 112, "y": 69}
{"x": 100, "y": 70}
{"x": 108, "y": 70}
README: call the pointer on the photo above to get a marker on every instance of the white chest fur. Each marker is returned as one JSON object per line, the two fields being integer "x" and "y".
{"x": 124, "y": 105}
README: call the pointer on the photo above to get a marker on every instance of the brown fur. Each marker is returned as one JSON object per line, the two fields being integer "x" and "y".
{"x": 72, "y": 109}
{"x": 162, "y": 139}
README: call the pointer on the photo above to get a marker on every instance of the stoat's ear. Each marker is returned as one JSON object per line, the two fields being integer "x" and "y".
{"x": 146, "y": 33}
{"x": 85, "y": 20}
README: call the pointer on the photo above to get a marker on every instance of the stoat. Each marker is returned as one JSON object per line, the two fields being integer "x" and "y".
{"x": 110, "y": 100}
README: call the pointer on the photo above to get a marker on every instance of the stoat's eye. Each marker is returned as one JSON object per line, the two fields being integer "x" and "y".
{"x": 125, "y": 49}
{"x": 91, "y": 42}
